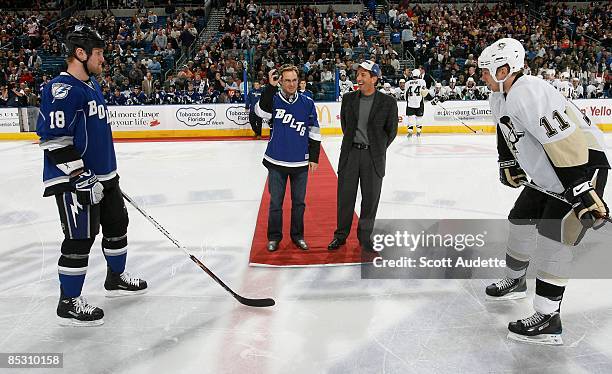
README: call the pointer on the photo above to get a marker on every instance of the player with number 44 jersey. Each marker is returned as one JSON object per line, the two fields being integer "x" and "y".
{"x": 543, "y": 136}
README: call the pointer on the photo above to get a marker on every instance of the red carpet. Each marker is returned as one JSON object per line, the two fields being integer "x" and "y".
{"x": 319, "y": 226}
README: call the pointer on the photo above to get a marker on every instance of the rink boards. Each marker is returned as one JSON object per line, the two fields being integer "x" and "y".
{"x": 219, "y": 120}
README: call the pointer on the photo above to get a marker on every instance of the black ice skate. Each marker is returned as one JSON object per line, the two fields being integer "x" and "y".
{"x": 507, "y": 289}
{"x": 540, "y": 328}
{"x": 123, "y": 284}
{"x": 74, "y": 311}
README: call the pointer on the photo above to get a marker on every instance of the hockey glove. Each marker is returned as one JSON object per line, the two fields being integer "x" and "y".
{"x": 435, "y": 101}
{"x": 588, "y": 206}
{"x": 511, "y": 174}
{"x": 89, "y": 190}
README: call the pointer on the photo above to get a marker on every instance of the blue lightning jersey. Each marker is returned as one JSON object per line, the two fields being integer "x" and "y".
{"x": 73, "y": 116}
{"x": 294, "y": 122}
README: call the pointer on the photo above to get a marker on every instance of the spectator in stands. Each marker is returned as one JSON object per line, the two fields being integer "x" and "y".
{"x": 147, "y": 84}
{"x": 187, "y": 36}
{"x": 34, "y": 59}
{"x": 136, "y": 74}
{"x": 4, "y": 96}
{"x": 161, "y": 40}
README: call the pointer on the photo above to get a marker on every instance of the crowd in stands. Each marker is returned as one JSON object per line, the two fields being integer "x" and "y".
{"x": 138, "y": 47}
{"x": 563, "y": 43}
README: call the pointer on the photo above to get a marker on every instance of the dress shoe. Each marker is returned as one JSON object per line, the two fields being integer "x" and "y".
{"x": 272, "y": 245}
{"x": 301, "y": 244}
{"x": 335, "y": 244}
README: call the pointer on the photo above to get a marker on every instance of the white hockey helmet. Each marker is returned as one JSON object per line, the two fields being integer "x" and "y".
{"x": 452, "y": 80}
{"x": 506, "y": 51}
{"x": 470, "y": 80}
{"x": 416, "y": 73}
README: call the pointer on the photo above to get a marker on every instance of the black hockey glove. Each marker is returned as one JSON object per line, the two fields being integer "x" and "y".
{"x": 511, "y": 174}
{"x": 590, "y": 209}
{"x": 435, "y": 100}
{"x": 89, "y": 190}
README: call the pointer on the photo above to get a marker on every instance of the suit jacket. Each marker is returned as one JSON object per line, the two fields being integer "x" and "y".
{"x": 382, "y": 127}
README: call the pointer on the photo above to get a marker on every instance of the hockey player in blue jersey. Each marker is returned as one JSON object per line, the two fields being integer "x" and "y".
{"x": 303, "y": 90}
{"x": 191, "y": 96}
{"x": 293, "y": 149}
{"x": 159, "y": 96}
{"x": 251, "y": 100}
{"x": 80, "y": 171}
{"x": 137, "y": 97}
{"x": 117, "y": 98}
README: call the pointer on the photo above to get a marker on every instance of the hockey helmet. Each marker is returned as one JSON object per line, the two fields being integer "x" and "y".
{"x": 83, "y": 37}
{"x": 505, "y": 51}
{"x": 416, "y": 73}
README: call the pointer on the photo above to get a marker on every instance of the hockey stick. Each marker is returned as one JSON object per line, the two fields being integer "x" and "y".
{"x": 555, "y": 195}
{"x": 241, "y": 299}
{"x": 459, "y": 119}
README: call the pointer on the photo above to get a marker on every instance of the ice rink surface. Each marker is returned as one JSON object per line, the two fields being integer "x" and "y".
{"x": 327, "y": 320}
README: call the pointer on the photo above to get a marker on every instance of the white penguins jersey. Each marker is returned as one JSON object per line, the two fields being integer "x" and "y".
{"x": 540, "y": 126}
{"x": 565, "y": 88}
{"x": 413, "y": 92}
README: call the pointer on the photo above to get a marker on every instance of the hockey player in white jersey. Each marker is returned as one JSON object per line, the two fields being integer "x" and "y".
{"x": 542, "y": 135}
{"x": 595, "y": 89}
{"x": 564, "y": 86}
{"x": 436, "y": 92}
{"x": 452, "y": 91}
{"x": 345, "y": 84}
{"x": 400, "y": 92}
{"x": 416, "y": 91}
{"x": 387, "y": 89}
{"x": 577, "y": 91}
{"x": 470, "y": 91}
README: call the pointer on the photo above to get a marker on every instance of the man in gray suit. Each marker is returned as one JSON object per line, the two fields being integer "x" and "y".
{"x": 369, "y": 123}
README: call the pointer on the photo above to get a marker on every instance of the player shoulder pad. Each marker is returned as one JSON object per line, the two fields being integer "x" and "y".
{"x": 60, "y": 90}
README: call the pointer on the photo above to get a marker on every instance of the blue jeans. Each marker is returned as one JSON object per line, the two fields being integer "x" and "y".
{"x": 277, "y": 183}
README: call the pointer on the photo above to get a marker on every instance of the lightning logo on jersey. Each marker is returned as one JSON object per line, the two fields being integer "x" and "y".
{"x": 60, "y": 91}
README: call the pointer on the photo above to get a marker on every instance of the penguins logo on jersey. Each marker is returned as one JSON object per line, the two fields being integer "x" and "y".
{"x": 513, "y": 136}
{"x": 501, "y": 46}
{"x": 60, "y": 90}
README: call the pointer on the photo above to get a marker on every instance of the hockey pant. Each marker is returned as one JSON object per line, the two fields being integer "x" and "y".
{"x": 81, "y": 224}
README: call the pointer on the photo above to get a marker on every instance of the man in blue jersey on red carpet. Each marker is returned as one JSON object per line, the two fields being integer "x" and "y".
{"x": 292, "y": 151}
{"x": 80, "y": 170}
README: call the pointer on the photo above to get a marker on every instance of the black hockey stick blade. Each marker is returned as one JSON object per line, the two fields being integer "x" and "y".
{"x": 257, "y": 303}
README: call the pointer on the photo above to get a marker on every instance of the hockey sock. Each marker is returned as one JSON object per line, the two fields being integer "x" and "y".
{"x": 115, "y": 252}
{"x": 548, "y": 297}
{"x": 419, "y": 124}
{"x": 522, "y": 240}
{"x": 72, "y": 265}
{"x": 411, "y": 124}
